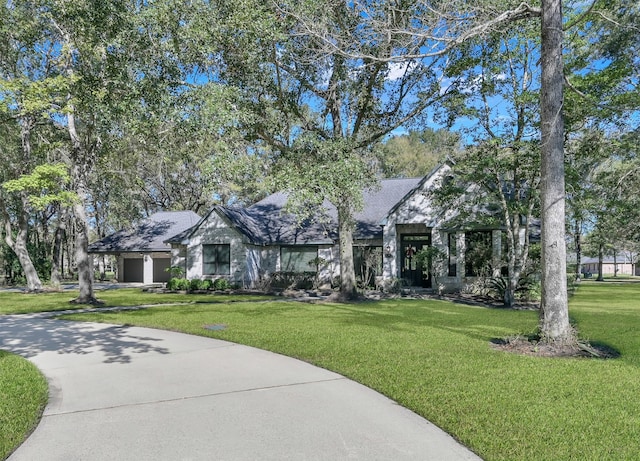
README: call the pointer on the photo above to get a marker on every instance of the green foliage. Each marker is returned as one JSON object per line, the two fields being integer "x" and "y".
{"x": 175, "y": 271}
{"x": 178, "y": 284}
{"x": 45, "y": 186}
{"x": 415, "y": 154}
{"x": 292, "y": 280}
{"x": 432, "y": 260}
{"x": 527, "y": 288}
{"x": 221, "y": 284}
{"x": 206, "y": 285}
{"x": 40, "y": 253}
{"x": 196, "y": 285}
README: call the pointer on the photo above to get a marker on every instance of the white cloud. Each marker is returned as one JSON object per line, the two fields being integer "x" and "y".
{"x": 398, "y": 69}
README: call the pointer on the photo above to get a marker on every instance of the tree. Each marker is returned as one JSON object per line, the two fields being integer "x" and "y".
{"x": 436, "y": 29}
{"x": 498, "y": 177}
{"x": 600, "y": 102}
{"x": 112, "y": 55}
{"x": 29, "y": 89}
{"x": 554, "y": 310}
{"x": 46, "y": 187}
{"x": 417, "y": 153}
{"x": 317, "y": 109}
{"x": 188, "y": 155}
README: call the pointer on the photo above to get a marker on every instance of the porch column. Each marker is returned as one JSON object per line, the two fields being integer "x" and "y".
{"x": 147, "y": 269}
{"x": 460, "y": 260}
{"x": 496, "y": 247}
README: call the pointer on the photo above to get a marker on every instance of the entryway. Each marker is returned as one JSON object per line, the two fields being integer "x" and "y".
{"x": 410, "y": 270}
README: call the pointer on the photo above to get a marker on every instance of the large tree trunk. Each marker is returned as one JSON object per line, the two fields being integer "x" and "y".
{"x": 578, "y": 241}
{"x": 19, "y": 246}
{"x": 554, "y": 309}
{"x": 83, "y": 260}
{"x": 348, "y": 289}
{"x": 57, "y": 253}
{"x": 600, "y": 263}
{"x": 81, "y": 165}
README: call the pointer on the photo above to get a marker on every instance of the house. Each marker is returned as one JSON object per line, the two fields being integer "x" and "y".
{"x": 624, "y": 263}
{"x": 245, "y": 245}
{"x": 141, "y": 253}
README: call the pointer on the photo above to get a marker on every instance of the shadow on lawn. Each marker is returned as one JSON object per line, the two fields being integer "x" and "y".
{"x": 30, "y": 337}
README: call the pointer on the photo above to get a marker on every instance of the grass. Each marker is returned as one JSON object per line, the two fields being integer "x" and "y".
{"x": 434, "y": 357}
{"x": 23, "y": 395}
{"x": 24, "y": 303}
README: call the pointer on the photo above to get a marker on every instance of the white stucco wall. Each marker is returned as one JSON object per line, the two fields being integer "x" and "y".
{"x": 216, "y": 231}
{"x": 416, "y": 209}
{"x": 331, "y": 268}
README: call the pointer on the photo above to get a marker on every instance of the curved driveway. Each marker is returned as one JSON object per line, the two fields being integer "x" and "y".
{"x": 129, "y": 393}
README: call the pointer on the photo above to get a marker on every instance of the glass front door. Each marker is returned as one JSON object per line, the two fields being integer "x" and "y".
{"x": 410, "y": 270}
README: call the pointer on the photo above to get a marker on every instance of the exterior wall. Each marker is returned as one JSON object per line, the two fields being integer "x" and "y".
{"x": 331, "y": 269}
{"x": 147, "y": 268}
{"x": 214, "y": 231}
{"x": 413, "y": 216}
{"x": 179, "y": 257}
{"x": 609, "y": 268}
{"x": 446, "y": 283}
{"x": 249, "y": 263}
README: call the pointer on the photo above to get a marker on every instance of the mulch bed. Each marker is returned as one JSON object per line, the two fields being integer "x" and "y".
{"x": 531, "y": 347}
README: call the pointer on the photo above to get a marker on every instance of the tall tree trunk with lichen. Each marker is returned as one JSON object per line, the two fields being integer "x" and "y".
{"x": 348, "y": 289}
{"x": 18, "y": 244}
{"x": 57, "y": 250}
{"x": 554, "y": 311}
{"x": 81, "y": 165}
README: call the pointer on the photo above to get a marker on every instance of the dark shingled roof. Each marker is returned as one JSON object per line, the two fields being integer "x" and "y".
{"x": 267, "y": 222}
{"x": 149, "y": 235}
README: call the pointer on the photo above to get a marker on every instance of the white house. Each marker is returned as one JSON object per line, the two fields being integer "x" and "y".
{"x": 244, "y": 245}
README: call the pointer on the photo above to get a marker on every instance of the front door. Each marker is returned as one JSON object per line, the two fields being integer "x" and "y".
{"x": 410, "y": 270}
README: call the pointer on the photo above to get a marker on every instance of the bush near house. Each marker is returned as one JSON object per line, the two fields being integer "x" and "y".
{"x": 183, "y": 284}
{"x": 292, "y": 280}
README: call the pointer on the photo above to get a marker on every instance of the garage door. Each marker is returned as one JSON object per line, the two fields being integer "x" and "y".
{"x": 160, "y": 274}
{"x": 133, "y": 270}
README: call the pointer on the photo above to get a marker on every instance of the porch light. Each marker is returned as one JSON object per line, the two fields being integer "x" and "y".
{"x": 387, "y": 251}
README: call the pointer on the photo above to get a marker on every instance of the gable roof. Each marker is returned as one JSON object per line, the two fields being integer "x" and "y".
{"x": 267, "y": 222}
{"x": 149, "y": 235}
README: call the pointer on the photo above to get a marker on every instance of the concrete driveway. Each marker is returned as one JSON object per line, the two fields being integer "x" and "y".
{"x": 128, "y": 393}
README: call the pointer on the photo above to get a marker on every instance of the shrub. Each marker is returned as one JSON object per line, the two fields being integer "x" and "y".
{"x": 175, "y": 271}
{"x": 528, "y": 288}
{"x": 221, "y": 284}
{"x": 293, "y": 280}
{"x": 177, "y": 284}
{"x": 195, "y": 285}
{"x": 206, "y": 285}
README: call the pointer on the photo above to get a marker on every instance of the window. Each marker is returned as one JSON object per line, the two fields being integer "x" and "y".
{"x": 216, "y": 259}
{"x": 298, "y": 259}
{"x": 453, "y": 255}
{"x": 478, "y": 253}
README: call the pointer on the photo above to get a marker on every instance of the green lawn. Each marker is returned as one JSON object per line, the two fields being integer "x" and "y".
{"x": 434, "y": 357}
{"x": 23, "y": 303}
{"x": 23, "y": 396}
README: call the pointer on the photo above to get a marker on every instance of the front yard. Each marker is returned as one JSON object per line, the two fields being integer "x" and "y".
{"x": 435, "y": 357}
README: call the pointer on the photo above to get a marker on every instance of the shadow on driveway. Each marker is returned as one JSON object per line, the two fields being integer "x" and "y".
{"x": 28, "y": 337}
